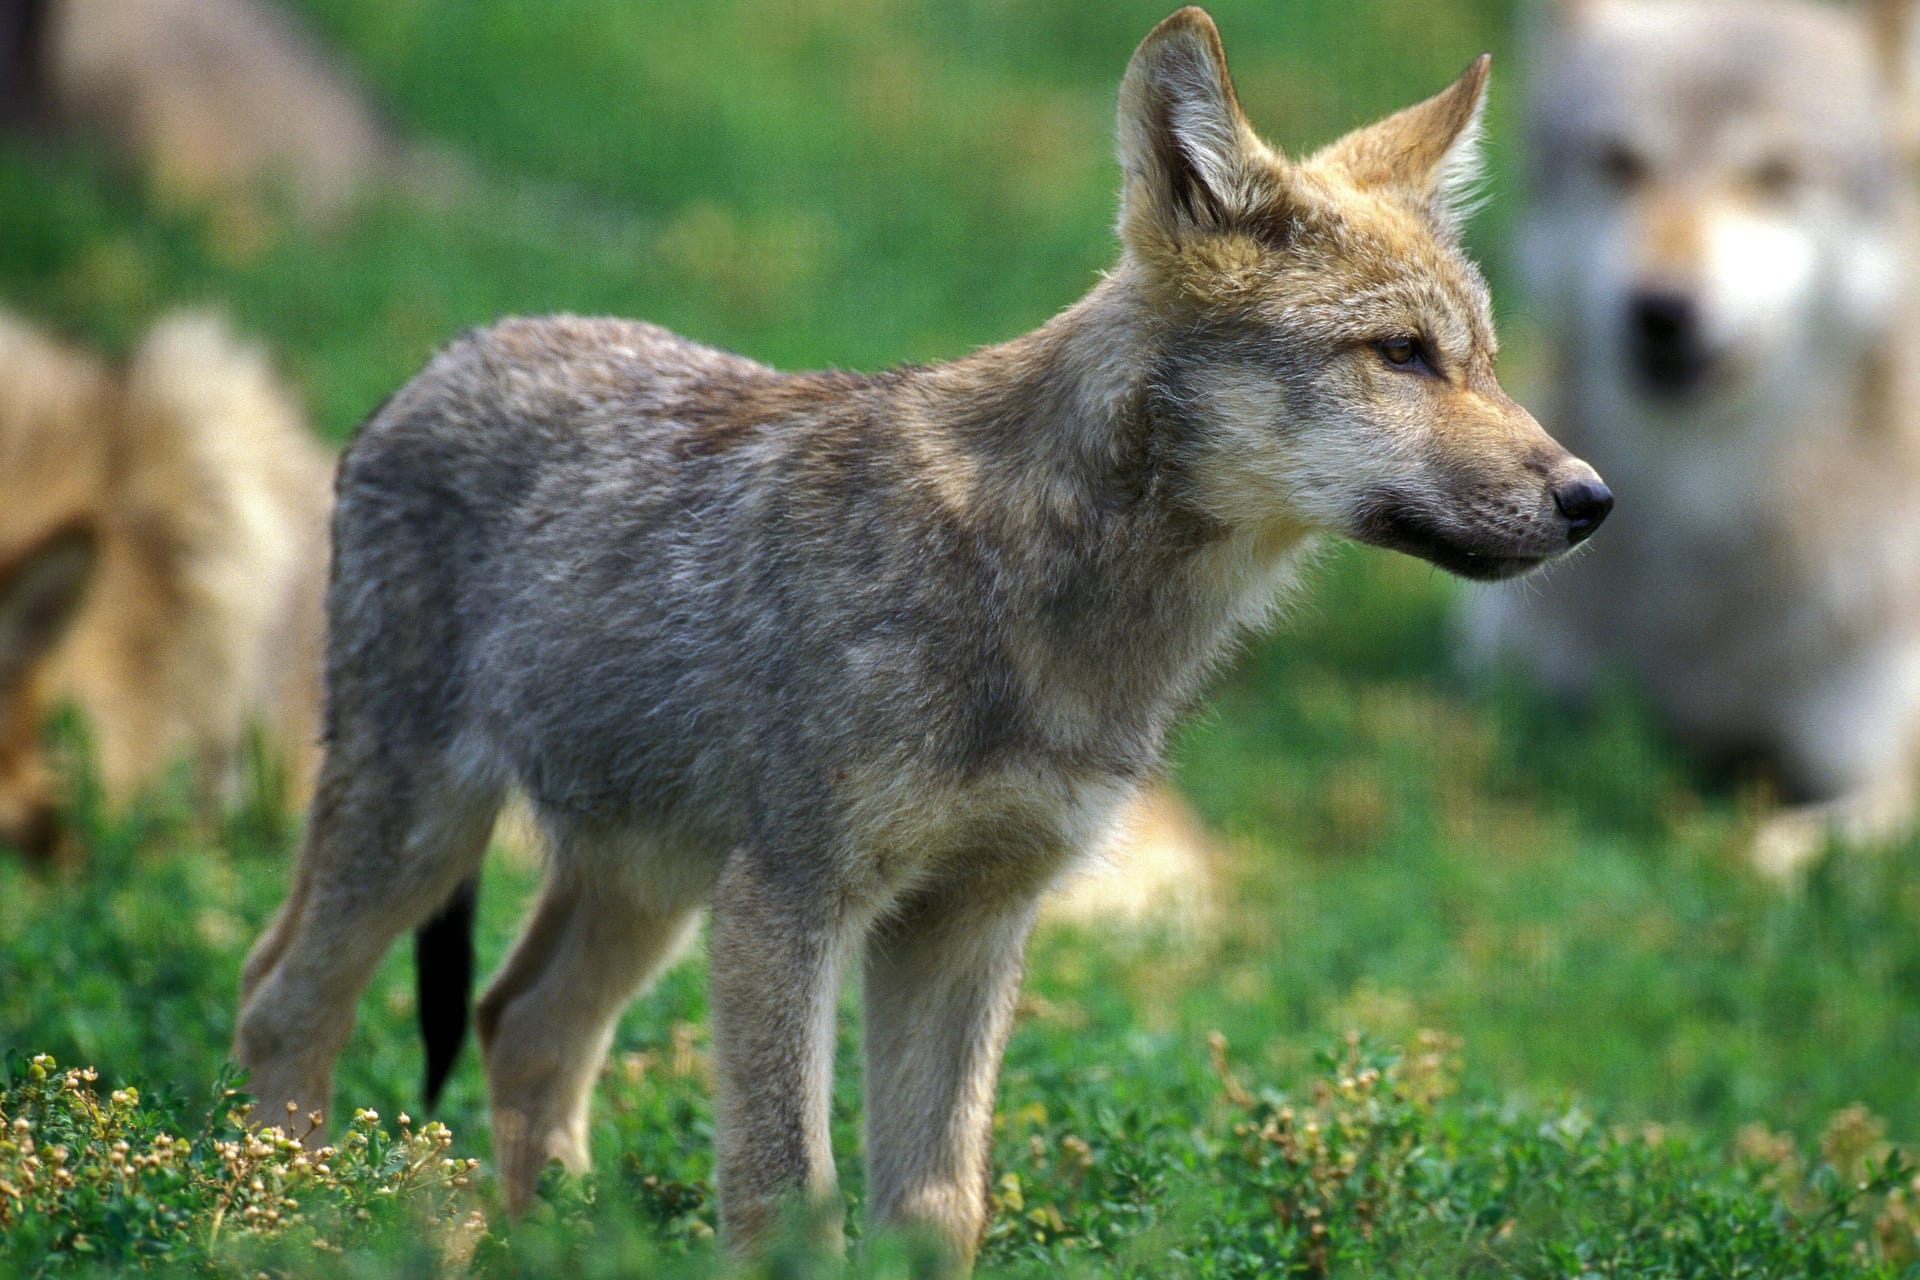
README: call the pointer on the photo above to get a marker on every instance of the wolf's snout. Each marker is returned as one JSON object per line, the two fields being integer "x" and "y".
{"x": 1585, "y": 503}
{"x": 1666, "y": 340}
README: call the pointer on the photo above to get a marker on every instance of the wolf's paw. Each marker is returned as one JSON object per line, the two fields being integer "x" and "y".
{"x": 1787, "y": 843}
{"x": 523, "y": 1147}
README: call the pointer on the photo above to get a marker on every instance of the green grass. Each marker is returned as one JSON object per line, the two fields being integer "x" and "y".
{"x": 1602, "y": 1045}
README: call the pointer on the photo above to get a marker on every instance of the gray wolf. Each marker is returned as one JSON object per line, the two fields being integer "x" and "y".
{"x": 864, "y": 661}
{"x": 161, "y": 527}
{"x": 1720, "y": 245}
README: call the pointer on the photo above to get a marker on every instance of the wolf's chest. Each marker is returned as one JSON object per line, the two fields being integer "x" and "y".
{"x": 906, "y": 827}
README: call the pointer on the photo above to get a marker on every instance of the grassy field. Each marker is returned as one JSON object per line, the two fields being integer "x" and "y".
{"x": 1494, "y": 993}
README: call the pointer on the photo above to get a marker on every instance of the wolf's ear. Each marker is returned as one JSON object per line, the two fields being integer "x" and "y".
{"x": 1186, "y": 151}
{"x": 1428, "y": 153}
{"x": 39, "y": 595}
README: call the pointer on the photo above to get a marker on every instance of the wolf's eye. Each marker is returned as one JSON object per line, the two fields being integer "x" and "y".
{"x": 1401, "y": 353}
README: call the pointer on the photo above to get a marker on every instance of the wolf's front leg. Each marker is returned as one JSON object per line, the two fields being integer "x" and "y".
{"x": 941, "y": 984}
{"x": 777, "y": 942}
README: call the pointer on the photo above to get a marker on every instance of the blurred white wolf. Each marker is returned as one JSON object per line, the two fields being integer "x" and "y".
{"x": 1720, "y": 248}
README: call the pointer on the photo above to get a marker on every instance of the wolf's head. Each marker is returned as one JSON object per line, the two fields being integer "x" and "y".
{"x": 1330, "y": 348}
{"x": 1717, "y": 197}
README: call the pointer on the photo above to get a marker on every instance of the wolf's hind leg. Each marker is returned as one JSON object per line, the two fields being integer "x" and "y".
{"x": 941, "y": 983}
{"x": 382, "y": 852}
{"x": 598, "y": 935}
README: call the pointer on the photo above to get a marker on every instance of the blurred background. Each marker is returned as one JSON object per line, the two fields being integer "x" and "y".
{"x": 854, "y": 183}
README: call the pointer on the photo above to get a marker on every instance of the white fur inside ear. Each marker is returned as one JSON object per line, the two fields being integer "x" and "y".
{"x": 1459, "y": 182}
{"x": 1202, "y": 118}
{"x": 1175, "y": 98}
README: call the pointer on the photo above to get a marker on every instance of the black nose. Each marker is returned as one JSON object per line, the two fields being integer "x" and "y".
{"x": 1667, "y": 340}
{"x": 1664, "y": 319}
{"x": 1585, "y": 504}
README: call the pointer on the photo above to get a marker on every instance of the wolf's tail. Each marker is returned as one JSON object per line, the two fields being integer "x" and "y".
{"x": 443, "y": 981}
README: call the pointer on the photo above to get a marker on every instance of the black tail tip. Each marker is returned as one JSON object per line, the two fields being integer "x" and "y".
{"x": 443, "y": 983}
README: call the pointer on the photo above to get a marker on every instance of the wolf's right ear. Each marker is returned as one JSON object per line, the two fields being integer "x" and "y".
{"x": 1186, "y": 151}
{"x": 40, "y": 592}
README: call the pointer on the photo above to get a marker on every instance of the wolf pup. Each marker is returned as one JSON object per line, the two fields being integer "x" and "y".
{"x": 863, "y": 661}
{"x": 1721, "y": 243}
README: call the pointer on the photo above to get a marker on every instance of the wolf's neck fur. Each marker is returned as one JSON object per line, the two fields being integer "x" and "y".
{"x": 1059, "y": 448}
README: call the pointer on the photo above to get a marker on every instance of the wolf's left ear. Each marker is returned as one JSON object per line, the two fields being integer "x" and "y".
{"x": 1186, "y": 150}
{"x": 1429, "y": 153}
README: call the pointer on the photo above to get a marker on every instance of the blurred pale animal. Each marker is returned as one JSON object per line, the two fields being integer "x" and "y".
{"x": 1720, "y": 246}
{"x": 162, "y": 534}
{"x": 1160, "y": 868}
{"x": 215, "y": 99}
